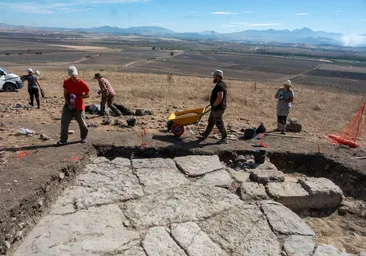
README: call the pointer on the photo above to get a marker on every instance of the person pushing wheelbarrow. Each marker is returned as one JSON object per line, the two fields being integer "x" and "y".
{"x": 218, "y": 107}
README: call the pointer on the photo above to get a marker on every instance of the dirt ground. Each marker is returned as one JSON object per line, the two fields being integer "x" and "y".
{"x": 34, "y": 171}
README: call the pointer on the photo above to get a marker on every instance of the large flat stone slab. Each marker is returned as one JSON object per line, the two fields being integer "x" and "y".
{"x": 292, "y": 195}
{"x": 252, "y": 191}
{"x": 218, "y": 178}
{"x": 194, "y": 241}
{"x": 152, "y": 163}
{"x": 100, "y": 184}
{"x": 160, "y": 179}
{"x": 158, "y": 242}
{"x": 323, "y": 192}
{"x": 283, "y": 221}
{"x": 266, "y": 176}
{"x": 239, "y": 176}
{"x": 183, "y": 204}
{"x": 299, "y": 245}
{"x": 243, "y": 231}
{"x": 96, "y": 231}
{"x": 198, "y": 165}
{"x": 327, "y": 250}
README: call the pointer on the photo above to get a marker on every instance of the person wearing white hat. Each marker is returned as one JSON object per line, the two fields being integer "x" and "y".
{"x": 285, "y": 96}
{"x": 33, "y": 87}
{"x": 218, "y": 107}
{"x": 75, "y": 91}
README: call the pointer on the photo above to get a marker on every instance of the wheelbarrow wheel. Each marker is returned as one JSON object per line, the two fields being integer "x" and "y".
{"x": 177, "y": 130}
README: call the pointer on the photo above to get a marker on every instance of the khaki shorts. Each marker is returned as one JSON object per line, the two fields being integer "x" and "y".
{"x": 283, "y": 111}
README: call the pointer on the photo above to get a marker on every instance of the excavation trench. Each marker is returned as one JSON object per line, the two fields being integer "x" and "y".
{"x": 348, "y": 229}
{"x": 343, "y": 226}
{"x": 351, "y": 181}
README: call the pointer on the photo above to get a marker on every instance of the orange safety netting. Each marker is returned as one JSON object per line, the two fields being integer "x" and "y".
{"x": 354, "y": 132}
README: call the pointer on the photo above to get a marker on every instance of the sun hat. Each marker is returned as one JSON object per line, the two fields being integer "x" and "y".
{"x": 218, "y": 72}
{"x": 288, "y": 83}
{"x": 72, "y": 71}
{"x": 29, "y": 70}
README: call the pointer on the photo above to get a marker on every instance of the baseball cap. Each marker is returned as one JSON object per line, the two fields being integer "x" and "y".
{"x": 72, "y": 71}
{"x": 97, "y": 75}
{"x": 218, "y": 73}
{"x": 288, "y": 83}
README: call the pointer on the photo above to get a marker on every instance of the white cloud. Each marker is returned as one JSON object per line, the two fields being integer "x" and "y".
{"x": 353, "y": 40}
{"x": 224, "y": 13}
{"x": 246, "y": 24}
{"x": 301, "y": 14}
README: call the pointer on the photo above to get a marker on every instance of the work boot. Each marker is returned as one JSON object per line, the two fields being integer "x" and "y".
{"x": 202, "y": 136}
{"x": 223, "y": 141}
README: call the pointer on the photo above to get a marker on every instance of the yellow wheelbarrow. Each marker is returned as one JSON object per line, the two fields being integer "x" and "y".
{"x": 180, "y": 119}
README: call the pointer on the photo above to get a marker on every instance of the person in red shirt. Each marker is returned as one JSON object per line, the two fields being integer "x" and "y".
{"x": 75, "y": 91}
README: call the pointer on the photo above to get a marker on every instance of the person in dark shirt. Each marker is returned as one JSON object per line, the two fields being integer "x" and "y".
{"x": 33, "y": 87}
{"x": 218, "y": 107}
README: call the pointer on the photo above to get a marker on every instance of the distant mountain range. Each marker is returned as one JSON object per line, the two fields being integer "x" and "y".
{"x": 297, "y": 36}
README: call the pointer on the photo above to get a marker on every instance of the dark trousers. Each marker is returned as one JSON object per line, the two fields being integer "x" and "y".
{"x": 67, "y": 116}
{"x": 216, "y": 118}
{"x": 281, "y": 123}
{"x": 34, "y": 92}
{"x": 109, "y": 100}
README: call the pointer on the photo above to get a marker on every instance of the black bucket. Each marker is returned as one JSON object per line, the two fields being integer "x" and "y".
{"x": 131, "y": 122}
{"x": 249, "y": 133}
{"x": 261, "y": 129}
{"x": 260, "y": 156}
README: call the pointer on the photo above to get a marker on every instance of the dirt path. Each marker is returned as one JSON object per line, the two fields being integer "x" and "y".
{"x": 157, "y": 58}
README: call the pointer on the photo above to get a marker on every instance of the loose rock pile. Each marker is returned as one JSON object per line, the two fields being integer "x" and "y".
{"x": 175, "y": 207}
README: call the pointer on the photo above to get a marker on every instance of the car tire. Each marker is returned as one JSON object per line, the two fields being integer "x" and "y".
{"x": 9, "y": 87}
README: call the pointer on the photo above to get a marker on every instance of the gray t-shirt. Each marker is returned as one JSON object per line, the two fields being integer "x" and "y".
{"x": 31, "y": 81}
{"x": 284, "y": 95}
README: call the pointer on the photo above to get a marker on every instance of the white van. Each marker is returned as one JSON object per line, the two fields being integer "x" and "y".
{"x": 9, "y": 82}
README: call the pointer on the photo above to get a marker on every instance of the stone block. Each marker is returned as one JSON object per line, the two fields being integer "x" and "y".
{"x": 323, "y": 193}
{"x": 198, "y": 165}
{"x": 96, "y": 231}
{"x": 327, "y": 250}
{"x": 160, "y": 179}
{"x": 218, "y": 178}
{"x": 299, "y": 245}
{"x": 239, "y": 176}
{"x": 183, "y": 204}
{"x": 153, "y": 163}
{"x": 243, "y": 230}
{"x": 194, "y": 241}
{"x": 158, "y": 242}
{"x": 252, "y": 191}
{"x": 266, "y": 176}
{"x": 292, "y": 195}
{"x": 283, "y": 221}
{"x": 100, "y": 184}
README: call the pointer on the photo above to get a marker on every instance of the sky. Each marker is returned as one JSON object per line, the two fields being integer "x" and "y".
{"x": 225, "y": 16}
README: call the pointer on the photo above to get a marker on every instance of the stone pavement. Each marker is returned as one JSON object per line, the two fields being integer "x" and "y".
{"x": 182, "y": 206}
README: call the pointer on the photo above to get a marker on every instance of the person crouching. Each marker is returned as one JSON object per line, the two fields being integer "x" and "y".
{"x": 108, "y": 95}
